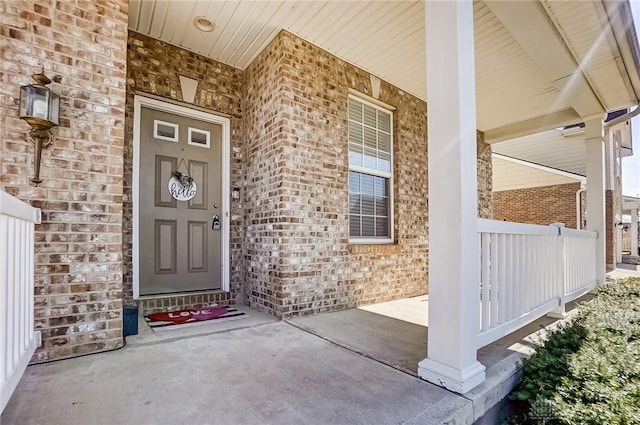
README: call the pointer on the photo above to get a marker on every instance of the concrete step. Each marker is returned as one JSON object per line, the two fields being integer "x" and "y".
{"x": 624, "y": 266}
{"x": 630, "y": 259}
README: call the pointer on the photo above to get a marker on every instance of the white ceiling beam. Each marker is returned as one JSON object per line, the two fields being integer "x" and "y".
{"x": 531, "y": 126}
{"x": 529, "y": 24}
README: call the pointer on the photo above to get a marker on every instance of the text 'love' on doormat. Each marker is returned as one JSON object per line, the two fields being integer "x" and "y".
{"x": 182, "y": 318}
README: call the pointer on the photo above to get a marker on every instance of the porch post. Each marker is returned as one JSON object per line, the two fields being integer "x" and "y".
{"x": 618, "y": 245}
{"x": 454, "y": 270}
{"x": 634, "y": 232}
{"x": 594, "y": 148}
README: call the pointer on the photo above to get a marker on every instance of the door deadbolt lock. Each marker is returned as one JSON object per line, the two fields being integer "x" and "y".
{"x": 215, "y": 223}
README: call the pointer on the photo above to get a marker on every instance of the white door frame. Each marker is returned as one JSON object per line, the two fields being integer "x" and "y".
{"x": 138, "y": 103}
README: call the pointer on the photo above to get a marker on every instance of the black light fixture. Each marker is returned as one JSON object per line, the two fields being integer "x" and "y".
{"x": 40, "y": 108}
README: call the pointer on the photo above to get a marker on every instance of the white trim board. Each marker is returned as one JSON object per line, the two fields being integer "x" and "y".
{"x": 630, "y": 202}
{"x": 143, "y": 101}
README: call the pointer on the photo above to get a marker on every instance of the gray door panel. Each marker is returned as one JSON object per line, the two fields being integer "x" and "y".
{"x": 179, "y": 250}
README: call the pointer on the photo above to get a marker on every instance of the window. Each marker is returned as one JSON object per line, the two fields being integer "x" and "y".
{"x": 199, "y": 137}
{"x": 370, "y": 172}
{"x": 165, "y": 131}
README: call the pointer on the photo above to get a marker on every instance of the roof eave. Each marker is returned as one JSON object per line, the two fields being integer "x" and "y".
{"x": 621, "y": 21}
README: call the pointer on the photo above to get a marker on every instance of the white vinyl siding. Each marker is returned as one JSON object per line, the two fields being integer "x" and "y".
{"x": 370, "y": 172}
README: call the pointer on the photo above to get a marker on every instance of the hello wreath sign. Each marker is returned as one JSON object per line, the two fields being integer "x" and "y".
{"x": 182, "y": 186}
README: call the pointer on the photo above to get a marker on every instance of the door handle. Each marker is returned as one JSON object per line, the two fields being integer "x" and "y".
{"x": 215, "y": 222}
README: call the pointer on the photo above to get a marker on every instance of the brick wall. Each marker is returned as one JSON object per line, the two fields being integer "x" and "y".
{"x": 78, "y": 271}
{"x": 626, "y": 242}
{"x": 264, "y": 198}
{"x": 298, "y": 257}
{"x": 299, "y": 260}
{"x": 617, "y": 208}
{"x": 485, "y": 177}
{"x": 538, "y": 205}
{"x": 289, "y": 238}
{"x": 611, "y": 230}
{"x": 154, "y": 67}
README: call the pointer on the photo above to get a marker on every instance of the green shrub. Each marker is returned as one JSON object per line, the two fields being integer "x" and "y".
{"x": 588, "y": 371}
{"x": 543, "y": 372}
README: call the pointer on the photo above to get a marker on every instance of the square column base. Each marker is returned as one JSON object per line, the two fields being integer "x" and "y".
{"x": 459, "y": 381}
{"x": 558, "y": 313}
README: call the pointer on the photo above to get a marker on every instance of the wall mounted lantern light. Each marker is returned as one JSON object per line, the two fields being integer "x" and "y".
{"x": 618, "y": 222}
{"x": 40, "y": 108}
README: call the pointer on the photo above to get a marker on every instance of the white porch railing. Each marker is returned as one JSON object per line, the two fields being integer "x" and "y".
{"x": 17, "y": 336}
{"x": 579, "y": 262}
{"x": 527, "y": 271}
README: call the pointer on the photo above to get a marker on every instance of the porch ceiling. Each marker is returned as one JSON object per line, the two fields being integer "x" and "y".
{"x": 565, "y": 62}
{"x": 549, "y": 148}
{"x": 508, "y": 174}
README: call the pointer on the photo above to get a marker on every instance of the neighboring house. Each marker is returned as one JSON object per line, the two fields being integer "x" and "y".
{"x": 540, "y": 179}
{"x": 324, "y": 179}
{"x": 525, "y": 192}
{"x": 628, "y": 227}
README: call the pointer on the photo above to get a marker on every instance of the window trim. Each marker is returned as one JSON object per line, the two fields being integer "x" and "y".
{"x": 156, "y": 135}
{"x": 193, "y": 130}
{"x": 385, "y": 174}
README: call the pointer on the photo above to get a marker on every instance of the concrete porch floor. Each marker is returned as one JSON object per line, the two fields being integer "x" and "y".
{"x": 267, "y": 373}
{"x": 350, "y": 367}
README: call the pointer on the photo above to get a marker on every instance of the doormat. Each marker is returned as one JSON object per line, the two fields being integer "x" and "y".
{"x": 183, "y": 318}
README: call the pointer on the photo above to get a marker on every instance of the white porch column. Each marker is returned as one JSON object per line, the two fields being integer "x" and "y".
{"x": 634, "y": 231}
{"x": 617, "y": 243}
{"x": 594, "y": 148}
{"x": 454, "y": 281}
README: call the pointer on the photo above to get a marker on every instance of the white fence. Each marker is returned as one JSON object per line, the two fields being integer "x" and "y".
{"x": 527, "y": 271}
{"x": 17, "y": 336}
{"x": 579, "y": 262}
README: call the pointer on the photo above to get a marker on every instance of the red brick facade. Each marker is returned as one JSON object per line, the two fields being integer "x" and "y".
{"x": 299, "y": 259}
{"x": 538, "y": 205}
{"x": 78, "y": 272}
{"x": 611, "y": 228}
{"x": 154, "y": 67}
{"x": 298, "y": 252}
{"x": 289, "y": 253}
{"x": 485, "y": 177}
{"x": 550, "y": 204}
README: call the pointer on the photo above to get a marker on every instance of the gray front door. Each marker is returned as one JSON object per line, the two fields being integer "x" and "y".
{"x": 180, "y": 241}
